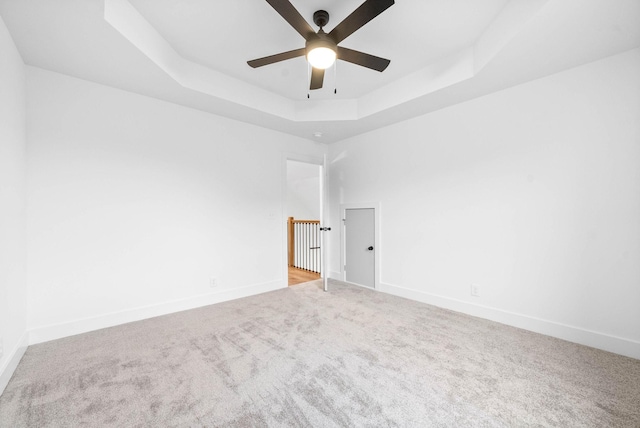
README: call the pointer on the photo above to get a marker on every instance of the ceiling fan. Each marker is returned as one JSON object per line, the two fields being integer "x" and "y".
{"x": 321, "y": 49}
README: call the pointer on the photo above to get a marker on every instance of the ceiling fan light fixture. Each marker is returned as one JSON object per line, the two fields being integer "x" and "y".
{"x": 321, "y": 49}
{"x": 321, "y": 53}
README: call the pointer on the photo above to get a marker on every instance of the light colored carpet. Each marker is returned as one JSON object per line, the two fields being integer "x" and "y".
{"x": 302, "y": 357}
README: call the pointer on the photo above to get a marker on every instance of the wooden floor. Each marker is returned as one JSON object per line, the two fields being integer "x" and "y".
{"x": 298, "y": 276}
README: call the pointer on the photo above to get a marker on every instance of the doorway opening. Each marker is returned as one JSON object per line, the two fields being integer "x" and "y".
{"x": 303, "y": 212}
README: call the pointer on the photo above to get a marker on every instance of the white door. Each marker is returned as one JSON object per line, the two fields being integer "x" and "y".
{"x": 359, "y": 229}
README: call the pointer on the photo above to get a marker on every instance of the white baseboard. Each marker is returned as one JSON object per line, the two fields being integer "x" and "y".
{"x": 71, "y": 328}
{"x": 336, "y": 275}
{"x": 617, "y": 345}
{"x": 6, "y": 371}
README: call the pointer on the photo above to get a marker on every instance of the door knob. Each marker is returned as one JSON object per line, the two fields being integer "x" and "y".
{"x": 370, "y": 248}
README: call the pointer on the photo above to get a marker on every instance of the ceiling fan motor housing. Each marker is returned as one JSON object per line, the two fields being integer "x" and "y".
{"x": 321, "y": 18}
{"x": 320, "y": 40}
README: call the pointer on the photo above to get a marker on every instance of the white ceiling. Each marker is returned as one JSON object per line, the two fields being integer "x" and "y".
{"x": 224, "y": 37}
{"x": 194, "y": 53}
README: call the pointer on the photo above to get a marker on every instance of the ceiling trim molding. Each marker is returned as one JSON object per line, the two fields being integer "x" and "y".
{"x": 122, "y": 16}
{"x": 464, "y": 65}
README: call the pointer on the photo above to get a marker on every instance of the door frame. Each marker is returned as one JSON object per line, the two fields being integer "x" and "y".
{"x": 320, "y": 160}
{"x": 376, "y": 238}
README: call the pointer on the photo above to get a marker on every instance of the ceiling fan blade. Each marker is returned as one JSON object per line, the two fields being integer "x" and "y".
{"x": 317, "y": 77}
{"x": 359, "y": 17}
{"x": 363, "y": 59}
{"x": 293, "y": 17}
{"x": 276, "y": 58}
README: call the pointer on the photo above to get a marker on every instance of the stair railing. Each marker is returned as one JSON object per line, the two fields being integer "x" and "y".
{"x": 304, "y": 244}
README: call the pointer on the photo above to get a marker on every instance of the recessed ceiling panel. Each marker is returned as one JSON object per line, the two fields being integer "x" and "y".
{"x": 225, "y": 35}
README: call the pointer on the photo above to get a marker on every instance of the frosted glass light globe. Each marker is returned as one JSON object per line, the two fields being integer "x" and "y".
{"x": 321, "y": 57}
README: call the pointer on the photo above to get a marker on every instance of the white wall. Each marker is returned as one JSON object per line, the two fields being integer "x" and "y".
{"x": 303, "y": 190}
{"x": 134, "y": 204}
{"x": 532, "y": 192}
{"x": 13, "y": 147}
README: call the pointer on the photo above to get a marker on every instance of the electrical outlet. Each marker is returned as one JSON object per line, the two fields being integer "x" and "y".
{"x": 475, "y": 290}
{"x": 213, "y": 282}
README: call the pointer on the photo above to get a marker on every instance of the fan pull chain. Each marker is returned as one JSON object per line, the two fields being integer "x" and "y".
{"x": 335, "y": 77}
{"x": 308, "y": 80}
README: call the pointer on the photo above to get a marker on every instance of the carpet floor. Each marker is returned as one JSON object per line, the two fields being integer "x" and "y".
{"x": 301, "y": 357}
